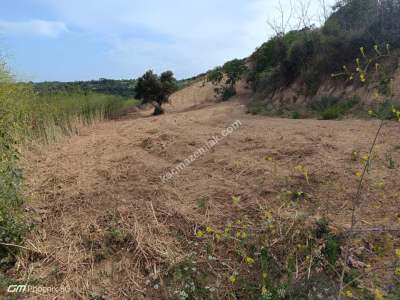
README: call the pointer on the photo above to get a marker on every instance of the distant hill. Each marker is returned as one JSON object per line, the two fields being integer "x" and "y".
{"x": 123, "y": 88}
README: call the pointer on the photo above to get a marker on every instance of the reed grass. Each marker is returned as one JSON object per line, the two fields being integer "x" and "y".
{"x": 29, "y": 117}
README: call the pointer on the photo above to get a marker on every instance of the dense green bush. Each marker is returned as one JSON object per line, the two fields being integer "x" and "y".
{"x": 225, "y": 78}
{"x": 323, "y": 103}
{"x": 336, "y": 111}
{"x": 256, "y": 107}
{"x": 270, "y": 54}
{"x": 311, "y": 55}
{"x": 227, "y": 93}
{"x": 330, "y": 108}
{"x": 233, "y": 70}
{"x": 296, "y": 115}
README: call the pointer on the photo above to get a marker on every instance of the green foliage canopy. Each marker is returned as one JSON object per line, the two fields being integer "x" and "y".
{"x": 232, "y": 71}
{"x": 151, "y": 88}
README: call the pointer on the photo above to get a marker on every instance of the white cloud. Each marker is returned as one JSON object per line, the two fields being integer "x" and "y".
{"x": 186, "y": 36}
{"x": 33, "y": 27}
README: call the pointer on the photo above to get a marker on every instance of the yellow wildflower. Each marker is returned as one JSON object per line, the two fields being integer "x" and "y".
{"x": 349, "y": 294}
{"x": 199, "y": 234}
{"x": 398, "y": 252}
{"x": 396, "y": 113}
{"x": 365, "y": 157}
{"x": 249, "y": 260}
{"x": 358, "y": 174}
{"x": 264, "y": 291}
{"x": 267, "y": 215}
{"x": 232, "y": 279}
{"x": 378, "y": 294}
{"x": 397, "y": 271}
{"x": 299, "y": 168}
{"x": 235, "y": 200}
{"x": 209, "y": 229}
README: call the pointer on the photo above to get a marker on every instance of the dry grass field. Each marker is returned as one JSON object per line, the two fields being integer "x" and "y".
{"x": 107, "y": 226}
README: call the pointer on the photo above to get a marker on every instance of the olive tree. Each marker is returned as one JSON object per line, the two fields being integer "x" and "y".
{"x": 154, "y": 89}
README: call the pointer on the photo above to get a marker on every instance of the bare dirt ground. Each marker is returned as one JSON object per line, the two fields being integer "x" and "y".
{"x": 104, "y": 219}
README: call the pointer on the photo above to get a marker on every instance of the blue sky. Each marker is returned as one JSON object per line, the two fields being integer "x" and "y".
{"x": 89, "y": 39}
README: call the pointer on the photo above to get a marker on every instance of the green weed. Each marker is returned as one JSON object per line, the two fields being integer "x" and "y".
{"x": 331, "y": 108}
{"x": 295, "y": 115}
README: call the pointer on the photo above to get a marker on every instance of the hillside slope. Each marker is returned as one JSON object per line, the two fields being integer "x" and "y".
{"x": 105, "y": 220}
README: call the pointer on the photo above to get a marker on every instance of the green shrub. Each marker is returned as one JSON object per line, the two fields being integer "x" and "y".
{"x": 330, "y": 107}
{"x": 322, "y": 104}
{"x": 215, "y": 76}
{"x": 295, "y": 115}
{"x": 225, "y": 78}
{"x": 228, "y": 92}
{"x": 270, "y": 54}
{"x": 312, "y": 81}
{"x": 234, "y": 70}
{"x": 12, "y": 231}
{"x": 256, "y": 107}
{"x": 330, "y": 114}
{"x": 339, "y": 109}
{"x": 385, "y": 110}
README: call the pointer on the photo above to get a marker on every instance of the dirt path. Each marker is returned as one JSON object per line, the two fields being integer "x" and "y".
{"x": 88, "y": 189}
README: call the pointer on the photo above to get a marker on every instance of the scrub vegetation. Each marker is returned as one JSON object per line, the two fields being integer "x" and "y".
{"x": 27, "y": 117}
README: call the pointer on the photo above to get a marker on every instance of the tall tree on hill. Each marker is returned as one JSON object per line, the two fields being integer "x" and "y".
{"x": 154, "y": 89}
